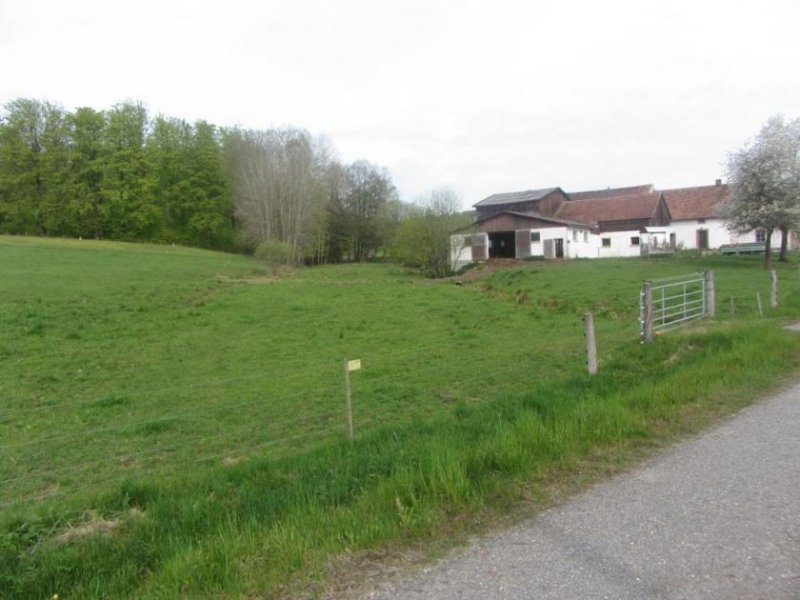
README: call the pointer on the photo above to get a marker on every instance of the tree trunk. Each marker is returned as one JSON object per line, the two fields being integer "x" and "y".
{"x": 768, "y": 248}
{"x": 784, "y": 242}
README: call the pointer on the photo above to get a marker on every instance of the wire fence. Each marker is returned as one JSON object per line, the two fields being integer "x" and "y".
{"x": 672, "y": 302}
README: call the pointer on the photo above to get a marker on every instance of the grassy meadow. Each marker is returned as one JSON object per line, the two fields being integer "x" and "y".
{"x": 172, "y": 420}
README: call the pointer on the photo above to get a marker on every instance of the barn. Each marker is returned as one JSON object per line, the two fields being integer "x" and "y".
{"x": 554, "y": 224}
{"x": 626, "y": 221}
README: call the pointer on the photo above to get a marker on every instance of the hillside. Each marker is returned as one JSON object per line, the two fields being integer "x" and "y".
{"x": 173, "y": 419}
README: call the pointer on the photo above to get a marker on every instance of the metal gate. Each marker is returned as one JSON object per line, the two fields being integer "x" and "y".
{"x": 671, "y": 302}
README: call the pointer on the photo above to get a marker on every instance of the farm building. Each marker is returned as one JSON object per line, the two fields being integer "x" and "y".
{"x": 614, "y": 222}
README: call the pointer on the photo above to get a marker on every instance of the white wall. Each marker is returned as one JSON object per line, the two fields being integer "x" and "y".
{"x": 461, "y": 251}
{"x": 686, "y": 234}
{"x": 718, "y": 234}
{"x": 620, "y": 244}
{"x": 587, "y": 244}
{"x": 580, "y": 243}
{"x": 548, "y": 233}
{"x": 685, "y": 238}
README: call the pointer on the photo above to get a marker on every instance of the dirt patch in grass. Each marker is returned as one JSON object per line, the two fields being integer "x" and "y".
{"x": 250, "y": 280}
{"x": 94, "y": 524}
{"x": 487, "y": 268}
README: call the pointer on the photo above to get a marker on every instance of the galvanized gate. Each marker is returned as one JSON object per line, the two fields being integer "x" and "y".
{"x": 672, "y": 302}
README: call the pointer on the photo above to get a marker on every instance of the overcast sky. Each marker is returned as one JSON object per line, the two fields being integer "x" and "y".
{"x": 489, "y": 96}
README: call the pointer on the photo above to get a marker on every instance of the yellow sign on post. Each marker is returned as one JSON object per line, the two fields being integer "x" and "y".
{"x": 349, "y": 365}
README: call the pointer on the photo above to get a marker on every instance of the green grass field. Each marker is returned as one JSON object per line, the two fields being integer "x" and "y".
{"x": 173, "y": 420}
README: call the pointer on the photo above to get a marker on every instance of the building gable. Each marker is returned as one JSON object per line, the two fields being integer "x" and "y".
{"x": 544, "y": 201}
{"x": 513, "y": 220}
{"x": 695, "y": 202}
{"x": 620, "y": 213}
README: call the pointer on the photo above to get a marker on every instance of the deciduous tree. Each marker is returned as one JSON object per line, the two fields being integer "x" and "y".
{"x": 279, "y": 186}
{"x": 764, "y": 180}
{"x": 423, "y": 239}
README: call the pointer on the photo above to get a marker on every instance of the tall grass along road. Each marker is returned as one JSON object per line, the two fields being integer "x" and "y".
{"x": 717, "y": 517}
{"x": 172, "y": 421}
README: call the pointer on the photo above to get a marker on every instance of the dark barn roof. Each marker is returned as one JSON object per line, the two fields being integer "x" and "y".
{"x": 516, "y": 197}
{"x": 539, "y": 217}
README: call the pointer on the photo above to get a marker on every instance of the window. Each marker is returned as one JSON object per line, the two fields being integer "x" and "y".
{"x": 535, "y": 236}
{"x": 700, "y": 221}
{"x": 467, "y": 240}
{"x": 761, "y": 235}
{"x": 574, "y": 235}
{"x": 585, "y": 236}
{"x": 606, "y": 242}
{"x": 635, "y": 240}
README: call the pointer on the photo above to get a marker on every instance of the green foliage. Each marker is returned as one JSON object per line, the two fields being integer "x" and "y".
{"x": 423, "y": 240}
{"x": 120, "y": 174}
{"x": 200, "y": 417}
{"x": 274, "y": 254}
{"x": 112, "y": 174}
{"x": 363, "y": 211}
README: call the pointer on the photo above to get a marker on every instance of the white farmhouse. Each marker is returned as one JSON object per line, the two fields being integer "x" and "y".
{"x": 615, "y": 222}
{"x": 698, "y": 227}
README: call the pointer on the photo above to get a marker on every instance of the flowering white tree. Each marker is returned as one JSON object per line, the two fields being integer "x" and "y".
{"x": 764, "y": 181}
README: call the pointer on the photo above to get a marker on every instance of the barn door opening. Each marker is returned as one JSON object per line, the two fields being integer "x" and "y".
{"x": 559, "y": 247}
{"x": 501, "y": 244}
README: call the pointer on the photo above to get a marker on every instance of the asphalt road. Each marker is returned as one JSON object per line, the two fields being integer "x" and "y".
{"x": 714, "y": 517}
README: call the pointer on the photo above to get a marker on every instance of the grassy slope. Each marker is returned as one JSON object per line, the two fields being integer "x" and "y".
{"x": 152, "y": 387}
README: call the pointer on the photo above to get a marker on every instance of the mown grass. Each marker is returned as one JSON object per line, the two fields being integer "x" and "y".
{"x": 201, "y": 416}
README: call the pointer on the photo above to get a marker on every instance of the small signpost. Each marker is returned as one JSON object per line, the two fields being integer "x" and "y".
{"x": 349, "y": 365}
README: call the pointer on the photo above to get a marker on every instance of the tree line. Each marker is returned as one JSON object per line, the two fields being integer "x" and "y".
{"x": 120, "y": 174}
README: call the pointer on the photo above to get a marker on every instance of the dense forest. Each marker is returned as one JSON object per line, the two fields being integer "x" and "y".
{"x": 120, "y": 174}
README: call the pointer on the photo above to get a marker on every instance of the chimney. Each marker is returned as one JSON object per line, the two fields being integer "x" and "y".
{"x": 718, "y": 182}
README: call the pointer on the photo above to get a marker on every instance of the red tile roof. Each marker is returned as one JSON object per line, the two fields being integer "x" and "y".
{"x": 620, "y": 208}
{"x": 611, "y": 192}
{"x": 695, "y": 202}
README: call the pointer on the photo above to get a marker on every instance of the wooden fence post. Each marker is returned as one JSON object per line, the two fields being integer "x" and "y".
{"x": 773, "y": 289}
{"x": 758, "y": 300}
{"x": 711, "y": 309}
{"x": 591, "y": 343}
{"x": 647, "y": 313}
{"x": 733, "y": 307}
{"x": 348, "y": 405}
